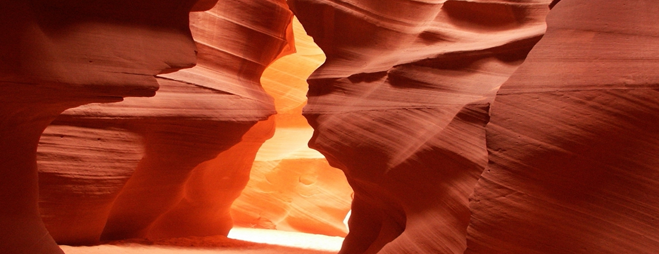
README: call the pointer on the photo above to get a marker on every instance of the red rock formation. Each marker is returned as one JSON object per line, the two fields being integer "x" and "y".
{"x": 198, "y": 115}
{"x": 573, "y": 139}
{"x": 56, "y": 55}
{"x": 210, "y": 190}
{"x": 400, "y": 106}
{"x": 173, "y": 148}
{"x": 81, "y": 171}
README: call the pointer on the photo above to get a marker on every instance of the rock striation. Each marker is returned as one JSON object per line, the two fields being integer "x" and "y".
{"x": 196, "y": 138}
{"x": 56, "y": 55}
{"x": 81, "y": 171}
{"x": 573, "y": 139}
{"x": 453, "y": 138}
{"x": 401, "y": 104}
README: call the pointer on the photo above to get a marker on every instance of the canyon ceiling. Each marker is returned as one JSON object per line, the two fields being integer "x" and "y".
{"x": 440, "y": 126}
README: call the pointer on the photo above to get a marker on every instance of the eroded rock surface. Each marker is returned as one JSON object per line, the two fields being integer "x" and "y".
{"x": 81, "y": 171}
{"x": 56, "y": 55}
{"x": 400, "y": 106}
{"x": 573, "y": 139}
{"x": 209, "y": 112}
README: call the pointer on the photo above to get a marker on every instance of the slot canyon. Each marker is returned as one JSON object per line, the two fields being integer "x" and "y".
{"x": 329, "y": 126}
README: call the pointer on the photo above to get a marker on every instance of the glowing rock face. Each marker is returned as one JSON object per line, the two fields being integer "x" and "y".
{"x": 193, "y": 144}
{"x": 292, "y": 187}
{"x": 401, "y": 104}
{"x": 573, "y": 139}
{"x": 304, "y": 195}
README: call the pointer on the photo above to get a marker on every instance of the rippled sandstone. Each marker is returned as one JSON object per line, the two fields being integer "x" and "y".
{"x": 573, "y": 139}
{"x": 401, "y": 104}
{"x": 188, "y": 150}
{"x": 50, "y": 61}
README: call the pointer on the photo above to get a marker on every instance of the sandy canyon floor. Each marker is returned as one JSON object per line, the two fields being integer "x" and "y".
{"x": 240, "y": 240}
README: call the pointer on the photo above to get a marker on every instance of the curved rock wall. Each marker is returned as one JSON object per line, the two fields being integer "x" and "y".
{"x": 208, "y": 194}
{"x": 56, "y": 55}
{"x": 573, "y": 139}
{"x": 401, "y": 104}
{"x": 197, "y": 115}
{"x": 81, "y": 170}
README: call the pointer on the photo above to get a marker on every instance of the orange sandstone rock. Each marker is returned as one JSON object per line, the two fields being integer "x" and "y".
{"x": 197, "y": 116}
{"x": 296, "y": 194}
{"x": 212, "y": 187}
{"x": 292, "y": 187}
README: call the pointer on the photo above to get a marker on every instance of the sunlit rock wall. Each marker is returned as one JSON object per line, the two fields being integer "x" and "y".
{"x": 216, "y": 111}
{"x": 291, "y": 186}
{"x": 573, "y": 139}
{"x": 401, "y": 103}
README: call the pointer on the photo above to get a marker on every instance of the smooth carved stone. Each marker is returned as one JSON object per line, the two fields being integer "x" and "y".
{"x": 210, "y": 191}
{"x": 173, "y": 148}
{"x": 401, "y": 104}
{"x": 195, "y": 125}
{"x": 573, "y": 139}
{"x": 78, "y": 182}
{"x": 56, "y": 55}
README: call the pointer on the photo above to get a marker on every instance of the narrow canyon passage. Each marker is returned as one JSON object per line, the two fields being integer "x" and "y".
{"x": 329, "y": 126}
{"x": 290, "y": 187}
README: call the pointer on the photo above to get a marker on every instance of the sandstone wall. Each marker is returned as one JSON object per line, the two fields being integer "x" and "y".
{"x": 56, "y": 55}
{"x": 215, "y": 114}
{"x": 572, "y": 139}
{"x": 452, "y": 139}
{"x": 401, "y": 104}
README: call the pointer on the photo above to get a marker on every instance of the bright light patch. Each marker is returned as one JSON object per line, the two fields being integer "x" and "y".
{"x": 289, "y": 239}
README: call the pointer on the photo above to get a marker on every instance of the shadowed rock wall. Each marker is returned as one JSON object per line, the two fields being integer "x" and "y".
{"x": 573, "y": 139}
{"x": 56, "y": 55}
{"x": 401, "y": 104}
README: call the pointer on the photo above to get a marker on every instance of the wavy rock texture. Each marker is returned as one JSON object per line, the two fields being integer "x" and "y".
{"x": 573, "y": 139}
{"x": 400, "y": 106}
{"x": 198, "y": 115}
{"x": 292, "y": 187}
{"x": 56, "y": 55}
{"x": 80, "y": 172}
